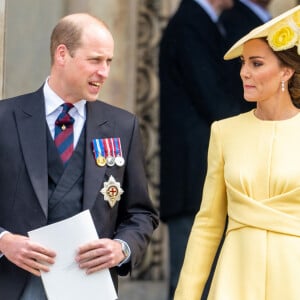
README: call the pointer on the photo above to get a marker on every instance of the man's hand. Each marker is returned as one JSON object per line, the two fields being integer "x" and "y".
{"x": 26, "y": 254}
{"x": 99, "y": 254}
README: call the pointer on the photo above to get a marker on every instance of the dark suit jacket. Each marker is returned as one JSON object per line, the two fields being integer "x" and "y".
{"x": 24, "y": 180}
{"x": 195, "y": 89}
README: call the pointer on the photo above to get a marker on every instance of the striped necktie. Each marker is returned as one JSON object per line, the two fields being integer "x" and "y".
{"x": 63, "y": 136}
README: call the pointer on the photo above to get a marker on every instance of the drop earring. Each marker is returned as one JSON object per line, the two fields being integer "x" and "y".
{"x": 282, "y": 86}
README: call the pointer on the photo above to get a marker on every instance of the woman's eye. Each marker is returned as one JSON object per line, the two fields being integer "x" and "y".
{"x": 257, "y": 64}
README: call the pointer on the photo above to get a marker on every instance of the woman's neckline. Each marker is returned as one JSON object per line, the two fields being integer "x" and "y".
{"x": 290, "y": 116}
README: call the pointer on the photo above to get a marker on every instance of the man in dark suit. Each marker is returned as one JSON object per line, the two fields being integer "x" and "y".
{"x": 38, "y": 187}
{"x": 195, "y": 89}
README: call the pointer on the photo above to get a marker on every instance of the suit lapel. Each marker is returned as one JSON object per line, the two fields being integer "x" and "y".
{"x": 31, "y": 124}
{"x": 98, "y": 126}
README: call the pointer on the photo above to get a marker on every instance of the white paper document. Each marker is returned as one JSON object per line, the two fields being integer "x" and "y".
{"x": 66, "y": 280}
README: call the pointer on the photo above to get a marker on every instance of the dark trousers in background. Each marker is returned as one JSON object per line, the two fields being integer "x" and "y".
{"x": 179, "y": 231}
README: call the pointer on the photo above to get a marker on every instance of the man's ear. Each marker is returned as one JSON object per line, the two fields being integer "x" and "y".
{"x": 61, "y": 53}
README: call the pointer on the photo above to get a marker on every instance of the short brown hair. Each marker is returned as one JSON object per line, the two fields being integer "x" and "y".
{"x": 66, "y": 32}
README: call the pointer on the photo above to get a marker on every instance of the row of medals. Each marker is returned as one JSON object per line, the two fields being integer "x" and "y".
{"x": 110, "y": 161}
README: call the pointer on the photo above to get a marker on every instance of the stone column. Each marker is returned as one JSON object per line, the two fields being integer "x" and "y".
{"x": 28, "y": 24}
{"x": 121, "y": 18}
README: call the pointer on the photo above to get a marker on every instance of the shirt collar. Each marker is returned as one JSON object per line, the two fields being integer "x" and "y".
{"x": 53, "y": 101}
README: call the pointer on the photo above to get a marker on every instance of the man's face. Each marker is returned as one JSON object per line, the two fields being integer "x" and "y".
{"x": 87, "y": 69}
{"x": 225, "y": 4}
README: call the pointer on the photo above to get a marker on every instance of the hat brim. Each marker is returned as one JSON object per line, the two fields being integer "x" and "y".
{"x": 258, "y": 32}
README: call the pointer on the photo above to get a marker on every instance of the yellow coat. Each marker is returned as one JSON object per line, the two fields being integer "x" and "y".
{"x": 253, "y": 176}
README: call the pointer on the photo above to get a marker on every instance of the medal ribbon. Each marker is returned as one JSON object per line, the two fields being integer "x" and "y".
{"x": 112, "y": 147}
{"x": 98, "y": 148}
{"x": 118, "y": 147}
{"x": 106, "y": 147}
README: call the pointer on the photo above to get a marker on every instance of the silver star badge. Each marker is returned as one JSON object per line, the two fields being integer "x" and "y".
{"x": 112, "y": 191}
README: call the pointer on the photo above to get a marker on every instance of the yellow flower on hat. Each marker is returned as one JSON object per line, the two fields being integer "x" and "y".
{"x": 283, "y": 36}
{"x": 282, "y": 32}
{"x": 296, "y": 19}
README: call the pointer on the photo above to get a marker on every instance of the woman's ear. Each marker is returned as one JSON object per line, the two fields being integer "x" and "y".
{"x": 287, "y": 73}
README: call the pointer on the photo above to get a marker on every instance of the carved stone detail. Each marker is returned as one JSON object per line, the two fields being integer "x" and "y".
{"x": 151, "y": 21}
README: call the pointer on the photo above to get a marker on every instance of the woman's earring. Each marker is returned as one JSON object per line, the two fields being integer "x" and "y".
{"x": 282, "y": 86}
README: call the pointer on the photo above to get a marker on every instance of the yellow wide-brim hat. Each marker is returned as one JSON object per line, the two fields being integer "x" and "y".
{"x": 282, "y": 32}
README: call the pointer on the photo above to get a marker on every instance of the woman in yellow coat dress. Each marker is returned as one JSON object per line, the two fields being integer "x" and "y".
{"x": 253, "y": 177}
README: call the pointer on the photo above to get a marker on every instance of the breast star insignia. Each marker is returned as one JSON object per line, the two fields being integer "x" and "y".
{"x": 112, "y": 191}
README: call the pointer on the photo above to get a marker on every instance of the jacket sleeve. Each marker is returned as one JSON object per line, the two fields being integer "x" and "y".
{"x": 137, "y": 217}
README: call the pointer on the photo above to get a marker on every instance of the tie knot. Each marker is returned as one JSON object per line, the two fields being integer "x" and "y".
{"x": 66, "y": 107}
{"x": 64, "y": 119}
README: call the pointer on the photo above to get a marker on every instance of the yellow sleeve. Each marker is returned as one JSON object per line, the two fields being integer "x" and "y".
{"x": 208, "y": 225}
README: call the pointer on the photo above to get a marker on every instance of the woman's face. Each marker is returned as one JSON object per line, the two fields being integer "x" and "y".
{"x": 261, "y": 71}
